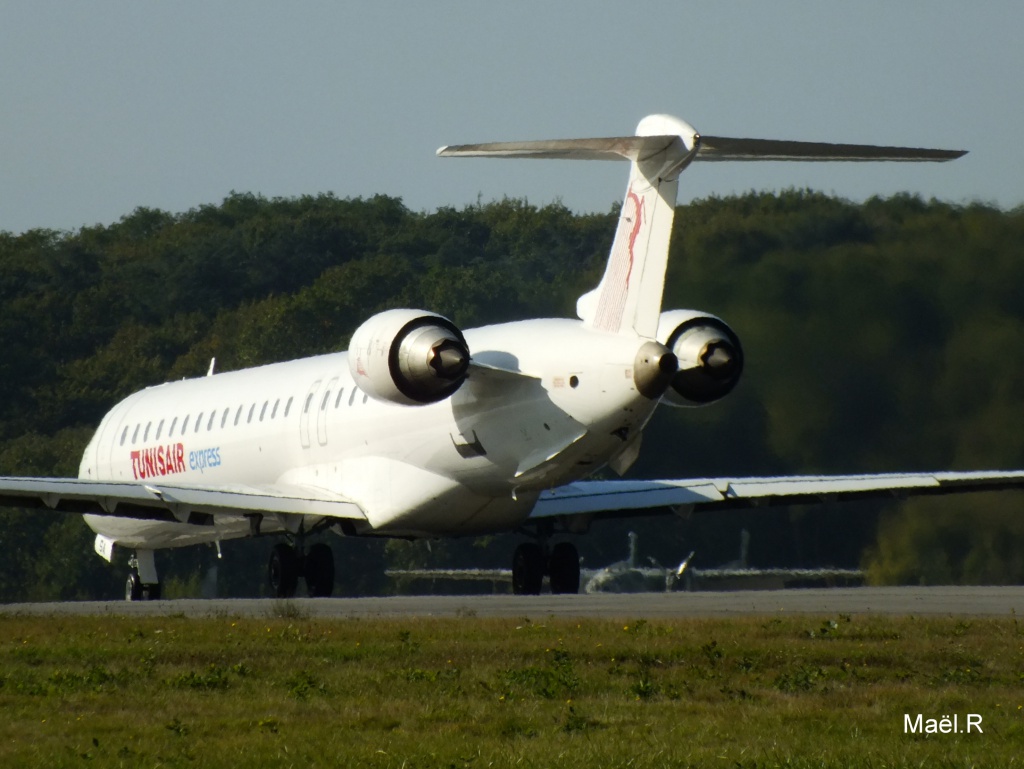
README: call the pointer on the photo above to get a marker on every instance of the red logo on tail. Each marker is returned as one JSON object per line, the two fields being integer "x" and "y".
{"x": 638, "y": 219}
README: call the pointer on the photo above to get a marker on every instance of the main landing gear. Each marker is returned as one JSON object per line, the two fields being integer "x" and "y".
{"x": 288, "y": 563}
{"x": 531, "y": 563}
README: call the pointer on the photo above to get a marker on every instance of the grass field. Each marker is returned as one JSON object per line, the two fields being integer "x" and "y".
{"x": 291, "y": 690}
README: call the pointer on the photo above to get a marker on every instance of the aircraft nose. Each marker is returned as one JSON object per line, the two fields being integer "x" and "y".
{"x": 653, "y": 369}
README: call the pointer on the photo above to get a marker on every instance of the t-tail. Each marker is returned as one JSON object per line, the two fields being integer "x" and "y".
{"x": 628, "y": 298}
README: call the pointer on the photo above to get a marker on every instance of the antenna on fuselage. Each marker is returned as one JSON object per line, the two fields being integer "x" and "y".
{"x": 213, "y": 364}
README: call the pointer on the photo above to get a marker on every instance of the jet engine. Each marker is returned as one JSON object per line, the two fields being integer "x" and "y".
{"x": 411, "y": 357}
{"x": 709, "y": 354}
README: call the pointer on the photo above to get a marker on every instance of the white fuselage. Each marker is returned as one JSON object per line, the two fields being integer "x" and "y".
{"x": 552, "y": 402}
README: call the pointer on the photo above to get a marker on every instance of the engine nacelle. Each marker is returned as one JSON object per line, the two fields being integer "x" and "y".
{"x": 709, "y": 354}
{"x": 408, "y": 356}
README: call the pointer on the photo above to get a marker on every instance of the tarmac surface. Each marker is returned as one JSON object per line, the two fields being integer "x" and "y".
{"x": 914, "y": 601}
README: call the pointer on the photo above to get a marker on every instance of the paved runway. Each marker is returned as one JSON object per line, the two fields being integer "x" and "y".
{"x": 917, "y": 601}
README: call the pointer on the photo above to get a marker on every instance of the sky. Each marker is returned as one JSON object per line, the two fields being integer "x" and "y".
{"x": 115, "y": 104}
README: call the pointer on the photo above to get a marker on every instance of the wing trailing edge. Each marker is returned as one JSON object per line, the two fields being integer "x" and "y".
{"x": 595, "y": 497}
{"x": 185, "y": 504}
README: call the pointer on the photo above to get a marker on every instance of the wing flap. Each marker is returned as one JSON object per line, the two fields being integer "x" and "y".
{"x": 171, "y": 502}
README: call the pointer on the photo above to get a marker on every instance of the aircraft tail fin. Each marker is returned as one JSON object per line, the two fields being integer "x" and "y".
{"x": 628, "y": 298}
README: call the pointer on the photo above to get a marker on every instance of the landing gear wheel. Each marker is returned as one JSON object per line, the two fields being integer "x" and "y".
{"x": 564, "y": 569}
{"x": 319, "y": 568}
{"x": 527, "y": 569}
{"x": 133, "y": 588}
{"x": 283, "y": 571}
{"x": 136, "y": 590}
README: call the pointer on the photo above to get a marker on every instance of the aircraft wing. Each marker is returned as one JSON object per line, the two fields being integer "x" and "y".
{"x": 625, "y": 497}
{"x": 169, "y": 502}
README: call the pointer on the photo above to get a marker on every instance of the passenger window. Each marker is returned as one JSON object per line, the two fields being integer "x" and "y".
{"x": 224, "y": 419}
{"x": 309, "y": 399}
{"x": 252, "y": 410}
{"x": 238, "y": 415}
{"x": 273, "y": 414}
{"x": 135, "y": 435}
{"x": 170, "y": 433}
{"x": 352, "y": 397}
{"x": 209, "y": 424}
{"x": 366, "y": 397}
{"x": 199, "y": 421}
{"x": 145, "y": 436}
{"x": 263, "y": 411}
{"x": 323, "y": 403}
{"x": 337, "y": 401}
{"x": 124, "y": 434}
{"x": 288, "y": 406}
{"x": 159, "y": 429}
{"x": 184, "y": 425}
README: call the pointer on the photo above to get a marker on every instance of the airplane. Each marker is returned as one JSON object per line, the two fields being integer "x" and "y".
{"x": 423, "y": 429}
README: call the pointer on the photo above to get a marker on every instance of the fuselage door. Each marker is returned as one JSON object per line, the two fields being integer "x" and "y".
{"x": 321, "y": 412}
{"x": 112, "y": 429}
{"x": 308, "y": 405}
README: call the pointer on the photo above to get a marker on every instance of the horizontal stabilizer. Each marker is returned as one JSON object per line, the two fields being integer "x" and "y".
{"x": 612, "y": 148}
{"x": 718, "y": 148}
{"x": 721, "y": 148}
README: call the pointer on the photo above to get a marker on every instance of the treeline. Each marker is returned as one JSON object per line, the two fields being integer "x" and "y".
{"x": 879, "y": 336}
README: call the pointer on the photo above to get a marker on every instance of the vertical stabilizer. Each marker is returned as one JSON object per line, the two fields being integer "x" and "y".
{"x": 628, "y": 298}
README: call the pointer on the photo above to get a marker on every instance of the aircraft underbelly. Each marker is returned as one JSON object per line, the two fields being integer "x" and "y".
{"x": 151, "y": 535}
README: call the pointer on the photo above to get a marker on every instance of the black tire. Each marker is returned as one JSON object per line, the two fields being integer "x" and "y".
{"x": 527, "y": 569}
{"x": 564, "y": 569}
{"x": 319, "y": 569}
{"x": 283, "y": 571}
{"x": 133, "y": 587}
{"x": 152, "y": 592}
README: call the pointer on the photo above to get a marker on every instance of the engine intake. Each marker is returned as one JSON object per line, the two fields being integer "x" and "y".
{"x": 411, "y": 357}
{"x": 709, "y": 353}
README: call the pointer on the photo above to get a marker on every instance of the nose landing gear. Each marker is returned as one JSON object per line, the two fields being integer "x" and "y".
{"x": 143, "y": 583}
